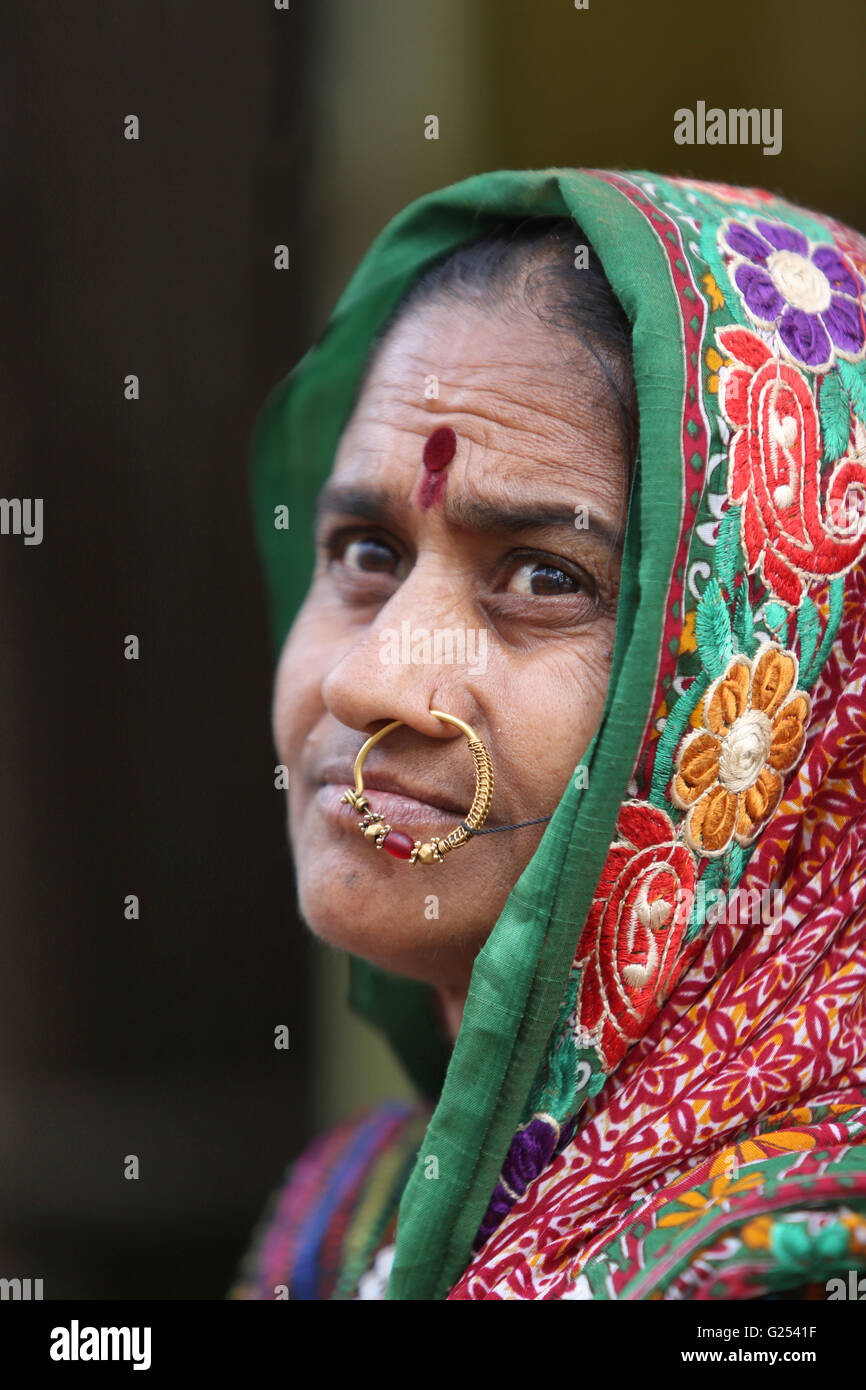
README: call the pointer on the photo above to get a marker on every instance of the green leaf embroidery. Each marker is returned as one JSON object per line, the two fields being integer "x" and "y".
{"x": 855, "y": 384}
{"x": 837, "y": 604}
{"x": 707, "y": 884}
{"x": 775, "y": 621}
{"x": 729, "y": 557}
{"x": 735, "y": 863}
{"x": 835, "y": 416}
{"x": 807, "y": 631}
{"x": 674, "y": 728}
{"x": 713, "y": 630}
{"x": 744, "y": 622}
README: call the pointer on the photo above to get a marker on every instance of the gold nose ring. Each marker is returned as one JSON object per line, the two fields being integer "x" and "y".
{"x": 374, "y": 827}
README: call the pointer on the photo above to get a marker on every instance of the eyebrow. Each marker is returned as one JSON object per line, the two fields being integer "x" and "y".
{"x": 471, "y": 513}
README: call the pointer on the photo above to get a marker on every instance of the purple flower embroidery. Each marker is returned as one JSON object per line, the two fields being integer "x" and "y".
{"x": 530, "y": 1152}
{"x": 808, "y": 293}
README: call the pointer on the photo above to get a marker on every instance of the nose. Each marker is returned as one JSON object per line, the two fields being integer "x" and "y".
{"x": 391, "y": 671}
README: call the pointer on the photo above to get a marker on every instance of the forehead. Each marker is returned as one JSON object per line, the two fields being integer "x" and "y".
{"x": 527, "y": 402}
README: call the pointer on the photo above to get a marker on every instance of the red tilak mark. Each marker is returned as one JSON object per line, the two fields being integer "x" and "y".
{"x": 440, "y": 448}
{"x": 438, "y": 453}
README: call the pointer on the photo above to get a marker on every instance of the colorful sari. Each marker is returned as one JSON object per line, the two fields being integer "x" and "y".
{"x": 659, "y": 1085}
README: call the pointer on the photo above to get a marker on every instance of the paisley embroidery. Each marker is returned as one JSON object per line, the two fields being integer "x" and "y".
{"x": 775, "y": 457}
{"x": 629, "y": 952}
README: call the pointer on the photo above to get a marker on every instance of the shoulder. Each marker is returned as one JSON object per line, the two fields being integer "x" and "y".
{"x": 335, "y": 1206}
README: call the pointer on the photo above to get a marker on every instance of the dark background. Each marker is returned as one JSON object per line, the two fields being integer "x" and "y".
{"x": 155, "y": 257}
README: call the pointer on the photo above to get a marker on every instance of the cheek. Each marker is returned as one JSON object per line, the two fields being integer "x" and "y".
{"x": 297, "y": 698}
{"x": 558, "y": 708}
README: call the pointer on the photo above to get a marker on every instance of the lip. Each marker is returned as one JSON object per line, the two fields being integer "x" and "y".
{"x": 398, "y": 802}
{"x": 401, "y": 812}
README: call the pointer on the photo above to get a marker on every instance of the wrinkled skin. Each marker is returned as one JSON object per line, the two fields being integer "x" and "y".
{"x": 536, "y": 426}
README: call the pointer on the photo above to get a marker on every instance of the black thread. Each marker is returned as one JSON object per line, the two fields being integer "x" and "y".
{"x": 492, "y": 829}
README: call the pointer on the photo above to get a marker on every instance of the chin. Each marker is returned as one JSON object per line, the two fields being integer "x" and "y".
{"x": 355, "y": 911}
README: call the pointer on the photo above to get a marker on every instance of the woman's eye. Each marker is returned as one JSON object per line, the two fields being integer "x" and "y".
{"x": 368, "y": 554}
{"x": 533, "y": 576}
{"x": 541, "y": 579}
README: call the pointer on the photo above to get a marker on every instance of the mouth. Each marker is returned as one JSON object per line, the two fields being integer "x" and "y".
{"x": 400, "y": 804}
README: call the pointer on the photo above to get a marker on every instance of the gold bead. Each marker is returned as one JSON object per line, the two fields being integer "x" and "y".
{"x": 425, "y": 854}
{"x": 372, "y": 830}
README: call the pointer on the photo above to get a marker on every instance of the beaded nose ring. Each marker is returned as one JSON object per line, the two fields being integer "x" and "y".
{"x": 397, "y": 842}
{"x": 374, "y": 828}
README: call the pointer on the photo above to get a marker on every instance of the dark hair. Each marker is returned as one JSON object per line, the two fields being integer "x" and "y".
{"x": 531, "y": 265}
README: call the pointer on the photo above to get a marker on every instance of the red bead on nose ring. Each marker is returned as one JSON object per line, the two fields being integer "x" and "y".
{"x": 397, "y": 842}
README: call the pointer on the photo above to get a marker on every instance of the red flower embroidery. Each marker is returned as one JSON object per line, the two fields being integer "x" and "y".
{"x": 774, "y": 472}
{"x": 629, "y": 948}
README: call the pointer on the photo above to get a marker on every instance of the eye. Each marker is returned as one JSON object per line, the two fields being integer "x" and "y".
{"x": 542, "y": 579}
{"x": 366, "y": 554}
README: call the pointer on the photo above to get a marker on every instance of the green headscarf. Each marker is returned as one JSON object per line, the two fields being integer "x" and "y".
{"x": 519, "y": 979}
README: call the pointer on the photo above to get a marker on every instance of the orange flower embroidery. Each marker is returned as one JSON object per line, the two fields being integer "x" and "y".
{"x": 728, "y": 774}
{"x": 697, "y": 1205}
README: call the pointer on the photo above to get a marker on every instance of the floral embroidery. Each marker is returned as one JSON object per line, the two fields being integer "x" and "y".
{"x": 851, "y": 244}
{"x": 805, "y": 292}
{"x": 774, "y": 472}
{"x": 529, "y": 1153}
{"x": 728, "y": 773}
{"x": 628, "y": 951}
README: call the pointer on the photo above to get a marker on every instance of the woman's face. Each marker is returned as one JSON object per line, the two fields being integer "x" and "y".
{"x": 513, "y": 547}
